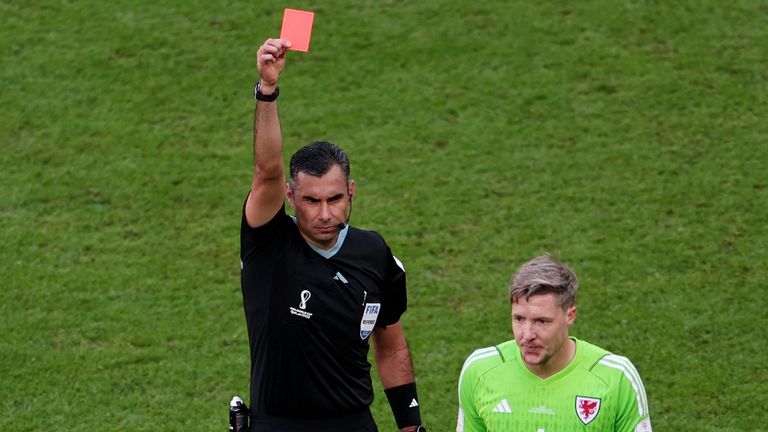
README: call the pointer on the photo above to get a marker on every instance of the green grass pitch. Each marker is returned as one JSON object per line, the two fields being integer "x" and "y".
{"x": 629, "y": 138}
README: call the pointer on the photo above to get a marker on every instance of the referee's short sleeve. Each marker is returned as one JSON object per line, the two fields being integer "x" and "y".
{"x": 394, "y": 299}
{"x": 255, "y": 241}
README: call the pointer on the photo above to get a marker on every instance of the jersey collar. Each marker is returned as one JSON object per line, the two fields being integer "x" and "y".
{"x": 577, "y": 357}
{"x": 327, "y": 254}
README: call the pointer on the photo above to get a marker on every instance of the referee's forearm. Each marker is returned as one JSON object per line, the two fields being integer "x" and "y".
{"x": 393, "y": 359}
{"x": 395, "y": 367}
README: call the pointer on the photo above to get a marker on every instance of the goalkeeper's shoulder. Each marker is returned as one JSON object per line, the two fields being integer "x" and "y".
{"x": 485, "y": 359}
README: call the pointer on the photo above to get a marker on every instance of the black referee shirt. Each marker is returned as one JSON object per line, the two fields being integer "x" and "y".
{"x": 310, "y": 314}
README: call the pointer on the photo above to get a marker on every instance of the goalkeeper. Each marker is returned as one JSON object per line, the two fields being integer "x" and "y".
{"x": 544, "y": 380}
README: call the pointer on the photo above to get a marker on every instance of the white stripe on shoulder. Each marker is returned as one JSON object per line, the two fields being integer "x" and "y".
{"x": 482, "y": 351}
{"x": 399, "y": 263}
{"x": 479, "y": 354}
{"x": 628, "y": 369}
{"x": 460, "y": 421}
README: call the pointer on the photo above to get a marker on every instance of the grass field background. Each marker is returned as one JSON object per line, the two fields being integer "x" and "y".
{"x": 630, "y": 139}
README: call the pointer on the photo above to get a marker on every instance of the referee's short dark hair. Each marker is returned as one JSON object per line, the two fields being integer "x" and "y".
{"x": 317, "y": 159}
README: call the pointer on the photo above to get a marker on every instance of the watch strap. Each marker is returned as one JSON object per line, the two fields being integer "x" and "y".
{"x": 265, "y": 97}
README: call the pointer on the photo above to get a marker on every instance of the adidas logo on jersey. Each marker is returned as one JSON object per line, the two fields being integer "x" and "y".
{"x": 340, "y": 277}
{"x": 413, "y": 403}
{"x": 502, "y": 407}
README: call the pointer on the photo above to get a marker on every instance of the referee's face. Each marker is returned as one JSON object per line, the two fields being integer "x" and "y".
{"x": 321, "y": 204}
{"x": 540, "y": 327}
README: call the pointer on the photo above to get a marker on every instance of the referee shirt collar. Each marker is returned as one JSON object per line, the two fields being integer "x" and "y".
{"x": 332, "y": 251}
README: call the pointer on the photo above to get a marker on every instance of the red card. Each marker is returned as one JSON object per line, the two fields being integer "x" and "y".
{"x": 297, "y": 28}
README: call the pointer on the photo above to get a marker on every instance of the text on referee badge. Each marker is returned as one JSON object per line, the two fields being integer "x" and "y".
{"x": 370, "y": 313}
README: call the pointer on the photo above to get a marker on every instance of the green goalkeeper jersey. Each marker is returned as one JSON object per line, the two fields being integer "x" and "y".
{"x": 597, "y": 391}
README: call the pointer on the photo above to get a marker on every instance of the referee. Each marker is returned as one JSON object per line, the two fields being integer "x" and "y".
{"x": 316, "y": 290}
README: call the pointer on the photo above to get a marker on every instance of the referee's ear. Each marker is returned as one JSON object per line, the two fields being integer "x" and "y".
{"x": 351, "y": 189}
{"x": 289, "y": 192}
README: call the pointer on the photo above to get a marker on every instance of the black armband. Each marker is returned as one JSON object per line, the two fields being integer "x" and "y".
{"x": 404, "y": 404}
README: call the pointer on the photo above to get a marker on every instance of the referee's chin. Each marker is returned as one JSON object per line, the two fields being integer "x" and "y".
{"x": 324, "y": 239}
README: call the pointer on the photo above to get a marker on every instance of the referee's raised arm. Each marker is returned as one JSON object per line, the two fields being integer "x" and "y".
{"x": 268, "y": 186}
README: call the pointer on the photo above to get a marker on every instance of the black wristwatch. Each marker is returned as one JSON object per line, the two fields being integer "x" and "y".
{"x": 421, "y": 428}
{"x": 262, "y": 97}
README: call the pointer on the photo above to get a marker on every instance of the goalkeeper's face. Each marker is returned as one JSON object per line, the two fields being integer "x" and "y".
{"x": 541, "y": 328}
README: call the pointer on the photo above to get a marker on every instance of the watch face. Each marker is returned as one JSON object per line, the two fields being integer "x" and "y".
{"x": 421, "y": 429}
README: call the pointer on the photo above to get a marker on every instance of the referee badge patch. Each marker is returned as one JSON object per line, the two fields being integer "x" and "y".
{"x": 370, "y": 313}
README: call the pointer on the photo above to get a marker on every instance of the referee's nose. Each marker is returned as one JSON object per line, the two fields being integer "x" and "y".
{"x": 325, "y": 212}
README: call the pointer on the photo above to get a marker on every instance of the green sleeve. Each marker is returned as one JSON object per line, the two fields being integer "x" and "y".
{"x": 469, "y": 420}
{"x": 633, "y": 415}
